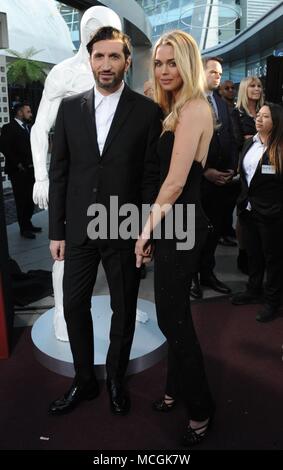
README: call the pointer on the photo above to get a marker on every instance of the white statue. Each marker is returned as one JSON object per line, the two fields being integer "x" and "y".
{"x": 69, "y": 77}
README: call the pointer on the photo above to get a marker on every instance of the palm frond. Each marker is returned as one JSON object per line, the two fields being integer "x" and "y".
{"x": 23, "y": 70}
{"x": 17, "y": 54}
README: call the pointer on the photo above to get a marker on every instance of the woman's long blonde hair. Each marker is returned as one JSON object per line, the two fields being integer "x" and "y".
{"x": 242, "y": 101}
{"x": 189, "y": 64}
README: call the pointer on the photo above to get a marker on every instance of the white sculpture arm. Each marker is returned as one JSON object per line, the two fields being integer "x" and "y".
{"x": 45, "y": 119}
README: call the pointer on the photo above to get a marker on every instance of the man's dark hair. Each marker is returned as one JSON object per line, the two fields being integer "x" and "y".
{"x": 207, "y": 59}
{"x": 19, "y": 106}
{"x": 106, "y": 33}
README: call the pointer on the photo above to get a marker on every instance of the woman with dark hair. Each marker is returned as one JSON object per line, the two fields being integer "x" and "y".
{"x": 260, "y": 208}
{"x": 250, "y": 100}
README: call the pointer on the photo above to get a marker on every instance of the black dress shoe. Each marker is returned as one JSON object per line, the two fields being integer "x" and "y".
{"x": 245, "y": 298}
{"x": 36, "y": 229}
{"x": 74, "y": 396}
{"x": 268, "y": 313}
{"x": 196, "y": 290}
{"x": 28, "y": 234}
{"x": 214, "y": 283}
{"x": 119, "y": 400}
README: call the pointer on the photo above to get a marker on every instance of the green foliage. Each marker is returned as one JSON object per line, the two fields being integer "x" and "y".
{"x": 24, "y": 70}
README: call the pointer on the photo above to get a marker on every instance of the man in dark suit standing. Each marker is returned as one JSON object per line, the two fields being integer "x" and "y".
{"x": 104, "y": 145}
{"x": 219, "y": 171}
{"x": 15, "y": 145}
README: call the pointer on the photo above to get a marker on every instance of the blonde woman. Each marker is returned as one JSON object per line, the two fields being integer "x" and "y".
{"x": 250, "y": 100}
{"x": 179, "y": 82}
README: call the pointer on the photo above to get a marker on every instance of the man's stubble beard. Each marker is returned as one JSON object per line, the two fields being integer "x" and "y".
{"x": 117, "y": 79}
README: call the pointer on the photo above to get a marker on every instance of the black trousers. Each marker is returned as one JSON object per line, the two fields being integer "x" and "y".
{"x": 80, "y": 271}
{"x": 263, "y": 242}
{"x": 186, "y": 372}
{"x": 22, "y": 184}
{"x": 217, "y": 203}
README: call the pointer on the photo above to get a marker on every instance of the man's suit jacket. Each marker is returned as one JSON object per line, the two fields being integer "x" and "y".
{"x": 222, "y": 153}
{"x": 15, "y": 145}
{"x": 265, "y": 192}
{"x": 79, "y": 176}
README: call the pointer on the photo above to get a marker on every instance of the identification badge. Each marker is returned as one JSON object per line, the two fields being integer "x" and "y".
{"x": 268, "y": 170}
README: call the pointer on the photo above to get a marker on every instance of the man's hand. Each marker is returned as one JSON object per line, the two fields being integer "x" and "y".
{"x": 229, "y": 175}
{"x": 57, "y": 249}
{"x": 220, "y": 178}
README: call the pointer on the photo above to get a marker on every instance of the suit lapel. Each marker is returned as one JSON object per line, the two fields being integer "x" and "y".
{"x": 20, "y": 128}
{"x": 258, "y": 171}
{"x": 89, "y": 118}
{"x": 247, "y": 147}
{"x": 125, "y": 105}
{"x": 219, "y": 104}
{"x": 245, "y": 150}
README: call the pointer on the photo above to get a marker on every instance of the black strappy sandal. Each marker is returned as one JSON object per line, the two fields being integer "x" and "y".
{"x": 164, "y": 404}
{"x": 192, "y": 438}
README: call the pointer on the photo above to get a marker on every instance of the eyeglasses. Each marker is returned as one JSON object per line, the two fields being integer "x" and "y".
{"x": 229, "y": 88}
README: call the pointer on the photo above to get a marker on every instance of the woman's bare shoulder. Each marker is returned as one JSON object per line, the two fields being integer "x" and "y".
{"x": 197, "y": 106}
{"x": 194, "y": 110}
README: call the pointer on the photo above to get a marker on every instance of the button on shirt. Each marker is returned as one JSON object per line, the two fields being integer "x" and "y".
{"x": 251, "y": 160}
{"x": 105, "y": 108}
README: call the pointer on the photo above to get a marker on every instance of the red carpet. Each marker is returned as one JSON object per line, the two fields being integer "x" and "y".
{"x": 245, "y": 368}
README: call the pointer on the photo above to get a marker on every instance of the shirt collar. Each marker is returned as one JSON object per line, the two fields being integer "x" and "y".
{"x": 22, "y": 124}
{"x": 256, "y": 138}
{"x": 99, "y": 97}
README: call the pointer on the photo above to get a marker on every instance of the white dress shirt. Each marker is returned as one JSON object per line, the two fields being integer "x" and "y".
{"x": 105, "y": 107}
{"x": 251, "y": 160}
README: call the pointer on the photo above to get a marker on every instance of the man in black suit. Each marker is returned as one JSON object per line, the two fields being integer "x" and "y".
{"x": 104, "y": 145}
{"x": 219, "y": 171}
{"x": 15, "y": 145}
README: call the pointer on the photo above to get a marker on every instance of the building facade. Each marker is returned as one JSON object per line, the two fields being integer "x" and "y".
{"x": 71, "y": 17}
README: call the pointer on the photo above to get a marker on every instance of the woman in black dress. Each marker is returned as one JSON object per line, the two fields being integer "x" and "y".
{"x": 187, "y": 130}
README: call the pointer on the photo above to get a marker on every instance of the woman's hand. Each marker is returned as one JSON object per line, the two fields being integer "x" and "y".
{"x": 143, "y": 251}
